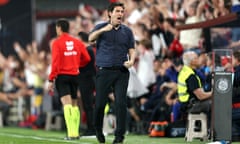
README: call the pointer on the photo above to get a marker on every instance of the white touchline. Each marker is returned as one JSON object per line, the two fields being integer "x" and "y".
{"x": 41, "y": 138}
{"x": 58, "y": 140}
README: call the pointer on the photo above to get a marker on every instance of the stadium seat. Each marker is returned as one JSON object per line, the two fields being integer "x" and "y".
{"x": 192, "y": 131}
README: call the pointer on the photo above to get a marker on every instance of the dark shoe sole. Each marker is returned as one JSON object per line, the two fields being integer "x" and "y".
{"x": 118, "y": 140}
{"x": 100, "y": 137}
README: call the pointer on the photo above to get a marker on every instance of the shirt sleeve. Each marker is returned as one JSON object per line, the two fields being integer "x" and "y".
{"x": 192, "y": 83}
{"x": 55, "y": 62}
{"x": 98, "y": 26}
{"x": 132, "y": 40}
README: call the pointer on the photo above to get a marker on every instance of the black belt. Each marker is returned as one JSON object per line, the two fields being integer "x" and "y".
{"x": 111, "y": 68}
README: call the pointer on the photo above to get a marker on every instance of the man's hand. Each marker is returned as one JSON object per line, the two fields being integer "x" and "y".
{"x": 50, "y": 86}
{"x": 94, "y": 35}
{"x": 4, "y": 98}
{"x": 128, "y": 64}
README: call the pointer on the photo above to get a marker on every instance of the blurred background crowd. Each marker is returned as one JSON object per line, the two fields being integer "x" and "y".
{"x": 25, "y": 42}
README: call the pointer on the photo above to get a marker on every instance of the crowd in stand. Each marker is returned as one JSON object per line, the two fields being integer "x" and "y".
{"x": 153, "y": 79}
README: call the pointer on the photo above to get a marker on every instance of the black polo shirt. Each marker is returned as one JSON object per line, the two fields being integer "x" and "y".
{"x": 89, "y": 69}
{"x": 112, "y": 46}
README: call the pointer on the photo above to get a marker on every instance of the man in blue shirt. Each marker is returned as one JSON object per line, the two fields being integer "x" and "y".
{"x": 115, "y": 54}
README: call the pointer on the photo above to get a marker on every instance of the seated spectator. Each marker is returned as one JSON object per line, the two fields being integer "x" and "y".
{"x": 172, "y": 73}
{"x": 163, "y": 108}
{"x": 192, "y": 96}
{"x": 157, "y": 92}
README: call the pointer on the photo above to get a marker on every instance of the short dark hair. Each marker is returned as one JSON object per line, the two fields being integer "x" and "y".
{"x": 236, "y": 54}
{"x": 63, "y": 24}
{"x": 177, "y": 61}
{"x": 83, "y": 36}
{"x": 115, "y": 4}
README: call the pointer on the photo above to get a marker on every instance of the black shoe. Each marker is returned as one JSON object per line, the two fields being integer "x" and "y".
{"x": 118, "y": 140}
{"x": 100, "y": 137}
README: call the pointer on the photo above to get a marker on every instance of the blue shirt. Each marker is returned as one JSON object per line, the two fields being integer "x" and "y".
{"x": 112, "y": 46}
{"x": 172, "y": 74}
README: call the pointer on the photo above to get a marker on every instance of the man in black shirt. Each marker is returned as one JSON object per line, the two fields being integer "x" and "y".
{"x": 115, "y": 54}
{"x": 87, "y": 85}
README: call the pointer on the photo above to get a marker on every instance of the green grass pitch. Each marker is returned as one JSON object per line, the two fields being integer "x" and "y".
{"x": 13, "y": 135}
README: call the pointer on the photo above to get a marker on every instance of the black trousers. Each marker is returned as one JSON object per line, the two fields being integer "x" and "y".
{"x": 117, "y": 79}
{"x": 87, "y": 87}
